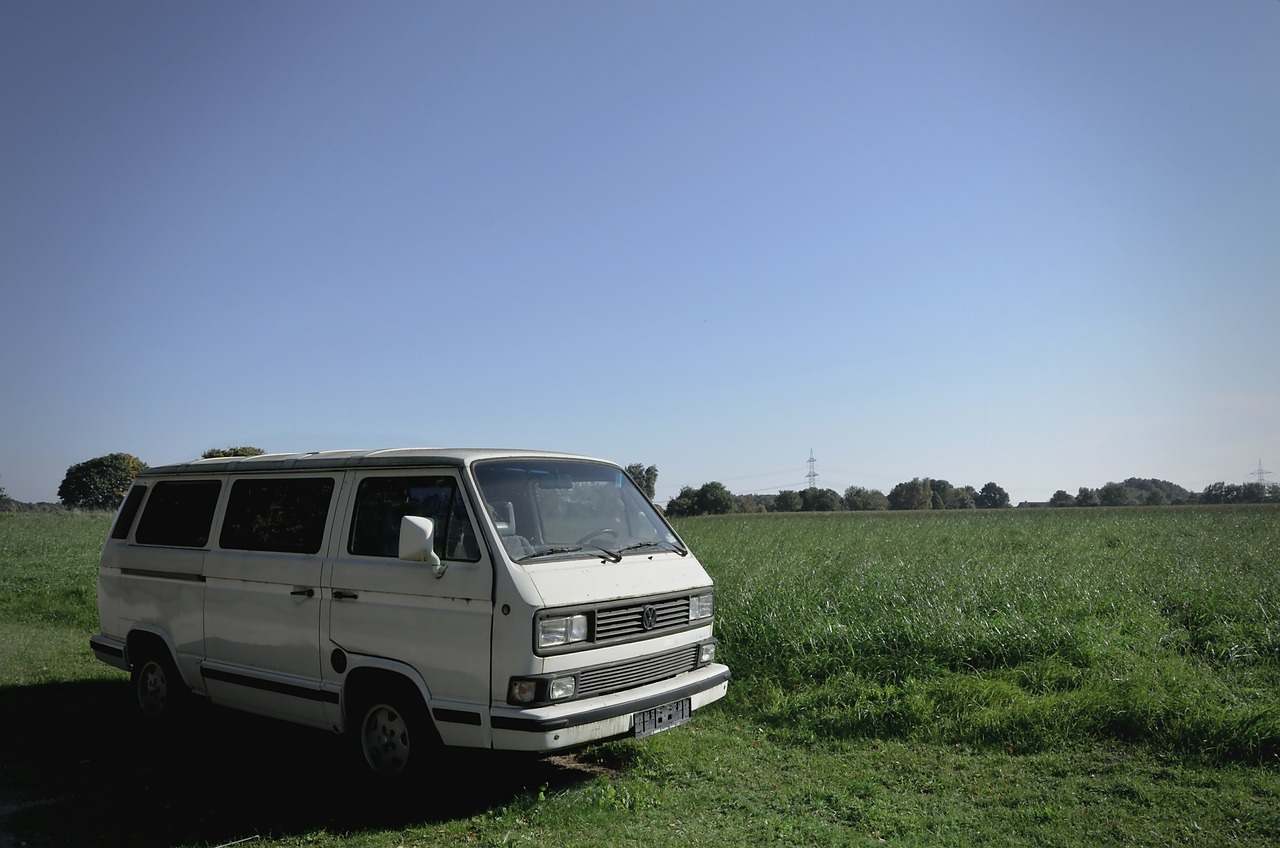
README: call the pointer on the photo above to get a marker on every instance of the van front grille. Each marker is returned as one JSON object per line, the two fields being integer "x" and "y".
{"x": 623, "y": 622}
{"x": 627, "y": 675}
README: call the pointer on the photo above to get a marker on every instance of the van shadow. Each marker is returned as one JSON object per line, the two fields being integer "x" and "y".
{"x": 80, "y": 767}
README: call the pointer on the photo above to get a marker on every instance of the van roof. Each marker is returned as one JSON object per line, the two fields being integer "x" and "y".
{"x": 334, "y": 459}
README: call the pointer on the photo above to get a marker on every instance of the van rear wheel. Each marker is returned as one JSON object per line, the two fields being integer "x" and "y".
{"x": 395, "y": 735}
{"x": 157, "y": 686}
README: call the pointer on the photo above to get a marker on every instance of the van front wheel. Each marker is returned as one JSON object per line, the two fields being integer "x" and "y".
{"x": 394, "y": 734}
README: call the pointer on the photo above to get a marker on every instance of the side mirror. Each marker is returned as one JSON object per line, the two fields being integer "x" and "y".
{"x": 417, "y": 542}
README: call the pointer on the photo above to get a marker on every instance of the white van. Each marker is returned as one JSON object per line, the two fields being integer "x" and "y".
{"x": 500, "y": 599}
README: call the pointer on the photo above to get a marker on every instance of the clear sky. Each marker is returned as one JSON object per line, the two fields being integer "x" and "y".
{"x": 1035, "y": 243}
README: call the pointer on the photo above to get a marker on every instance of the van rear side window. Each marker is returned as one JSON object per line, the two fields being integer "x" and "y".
{"x": 178, "y": 514}
{"x": 283, "y": 516}
{"x": 128, "y": 512}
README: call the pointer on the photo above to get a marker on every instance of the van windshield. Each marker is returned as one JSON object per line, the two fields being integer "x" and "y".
{"x": 553, "y": 509}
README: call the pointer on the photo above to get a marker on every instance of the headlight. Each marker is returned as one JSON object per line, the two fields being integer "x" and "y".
{"x": 706, "y": 653}
{"x": 562, "y": 687}
{"x": 562, "y": 630}
{"x": 701, "y": 606}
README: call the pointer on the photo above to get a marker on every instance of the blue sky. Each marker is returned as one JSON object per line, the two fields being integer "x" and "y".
{"x": 1034, "y": 243}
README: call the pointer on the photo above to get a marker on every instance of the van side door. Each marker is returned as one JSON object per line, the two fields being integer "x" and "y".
{"x": 262, "y": 604}
{"x": 413, "y": 618}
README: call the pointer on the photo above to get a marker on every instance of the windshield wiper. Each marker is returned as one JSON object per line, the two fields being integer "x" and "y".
{"x": 550, "y": 552}
{"x": 671, "y": 546}
{"x": 612, "y": 556}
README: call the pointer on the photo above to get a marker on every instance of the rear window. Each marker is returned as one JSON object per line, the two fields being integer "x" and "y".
{"x": 282, "y": 515}
{"x": 128, "y": 512}
{"x": 178, "y": 514}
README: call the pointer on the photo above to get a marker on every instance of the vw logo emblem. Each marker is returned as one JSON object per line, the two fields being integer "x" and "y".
{"x": 649, "y": 618}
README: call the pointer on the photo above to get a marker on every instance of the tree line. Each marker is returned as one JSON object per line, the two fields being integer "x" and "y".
{"x": 101, "y": 483}
{"x": 926, "y": 493}
{"x": 918, "y": 493}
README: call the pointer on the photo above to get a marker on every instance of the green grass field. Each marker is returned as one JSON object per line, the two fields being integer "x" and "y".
{"x": 1063, "y": 677}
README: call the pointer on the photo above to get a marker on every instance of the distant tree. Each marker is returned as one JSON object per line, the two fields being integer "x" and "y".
{"x": 1142, "y": 490}
{"x": 750, "y": 504}
{"x": 244, "y": 450}
{"x": 1114, "y": 494}
{"x": 683, "y": 504}
{"x": 913, "y": 494}
{"x": 820, "y": 500}
{"x": 787, "y": 501}
{"x": 3, "y": 496}
{"x": 1086, "y": 497}
{"x": 99, "y": 483}
{"x": 992, "y": 496}
{"x": 864, "y": 500}
{"x": 941, "y": 494}
{"x": 714, "y": 499}
{"x": 646, "y": 477}
{"x": 1217, "y": 493}
{"x": 1061, "y": 498}
{"x": 710, "y": 499}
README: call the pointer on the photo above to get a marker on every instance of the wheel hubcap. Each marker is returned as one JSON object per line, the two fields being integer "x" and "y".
{"x": 153, "y": 689}
{"x": 386, "y": 740}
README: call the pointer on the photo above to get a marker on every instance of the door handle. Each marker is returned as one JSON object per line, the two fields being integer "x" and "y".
{"x": 343, "y": 595}
{"x": 308, "y": 592}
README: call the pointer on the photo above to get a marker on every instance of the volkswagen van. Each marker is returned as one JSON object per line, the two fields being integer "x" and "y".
{"x": 410, "y": 598}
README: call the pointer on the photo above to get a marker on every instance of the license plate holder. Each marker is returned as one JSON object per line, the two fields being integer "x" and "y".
{"x": 665, "y": 717}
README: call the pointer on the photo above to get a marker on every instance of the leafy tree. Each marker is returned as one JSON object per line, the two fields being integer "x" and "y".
{"x": 864, "y": 500}
{"x": 750, "y": 503}
{"x": 941, "y": 493}
{"x": 992, "y": 496}
{"x": 646, "y": 477}
{"x": 788, "y": 501}
{"x": 714, "y": 499}
{"x": 1061, "y": 498}
{"x": 1143, "y": 489}
{"x": 1114, "y": 494}
{"x": 244, "y": 450}
{"x": 711, "y": 499}
{"x": 1086, "y": 497}
{"x": 683, "y": 504}
{"x": 913, "y": 494}
{"x": 820, "y": 500}
{"x": 99, "y": 483}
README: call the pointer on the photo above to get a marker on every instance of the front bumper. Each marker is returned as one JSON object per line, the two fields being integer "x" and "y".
{"x": 576, "y": 723}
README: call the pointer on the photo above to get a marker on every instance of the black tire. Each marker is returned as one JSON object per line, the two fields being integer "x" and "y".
{"x": 393, "y": 733}
{"x": 158, "y": 689}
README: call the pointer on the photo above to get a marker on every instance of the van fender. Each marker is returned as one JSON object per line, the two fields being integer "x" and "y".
{"x": 143, "y": 634}
{"x": 456, "y": 724}
{"x": 367, "y": 671}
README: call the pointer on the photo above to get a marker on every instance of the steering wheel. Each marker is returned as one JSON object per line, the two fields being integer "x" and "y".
{"x": 596, "y": 534}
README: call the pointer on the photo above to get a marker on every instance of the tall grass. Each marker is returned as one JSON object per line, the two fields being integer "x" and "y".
{"x": 49, "y": 566}
{"x": 1021, "y": 629}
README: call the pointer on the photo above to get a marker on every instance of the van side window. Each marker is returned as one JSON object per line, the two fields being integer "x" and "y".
{"x": 382, "y": 501}
{"x": 128, "y": 512}
{"x": 179, "y": 514}
{"x": 284, "y": 516}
